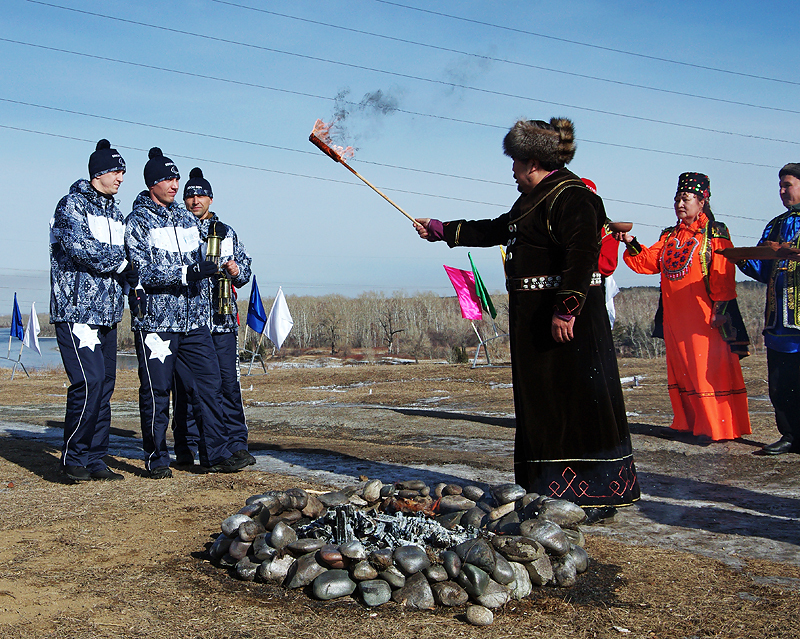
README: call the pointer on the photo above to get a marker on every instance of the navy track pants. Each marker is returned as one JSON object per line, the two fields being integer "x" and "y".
{"x": 89, "y": 354}
{"x": 187, "y": 432}
{"x": 158, "y": 355}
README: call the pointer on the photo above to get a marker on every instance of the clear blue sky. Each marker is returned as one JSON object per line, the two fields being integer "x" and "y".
{"x": 237, "y": 91}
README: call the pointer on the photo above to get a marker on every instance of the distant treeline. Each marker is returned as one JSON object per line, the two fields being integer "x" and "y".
{"x": 636, "y": 307}
{"x": 426, "y": 326}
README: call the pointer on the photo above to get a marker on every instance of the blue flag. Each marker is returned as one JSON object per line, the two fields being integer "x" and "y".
{"x": 16, "y": 321}
{"x": 256, "y": 316}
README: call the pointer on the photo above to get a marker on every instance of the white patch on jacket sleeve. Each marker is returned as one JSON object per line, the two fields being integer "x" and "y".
{"x": 53, "y": 238}
{"x": 159, "y": 349}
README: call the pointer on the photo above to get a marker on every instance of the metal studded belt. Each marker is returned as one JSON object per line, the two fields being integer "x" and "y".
{"x": 541, "y": 282}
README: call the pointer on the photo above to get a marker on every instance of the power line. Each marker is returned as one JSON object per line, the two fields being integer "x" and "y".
{"x": 329, "y": 99}
{"x": 265, "y": 170}
{"x": 322, "y": 179}
{"x": 418, "y": 78}
{"x": 591, "y": 46}
{"x": 261, "y": 144}
{"x": 280, "y": 148}
{"x": 172, "y": 129}
{"x": 505, "y": 60}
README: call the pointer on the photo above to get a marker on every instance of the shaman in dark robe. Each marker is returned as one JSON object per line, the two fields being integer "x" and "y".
{"x": 572, "y": 437}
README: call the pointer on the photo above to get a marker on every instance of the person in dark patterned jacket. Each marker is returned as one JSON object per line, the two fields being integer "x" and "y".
{"x": 88, "y": 271}
{"x": 187, "y": 433}
{"x": 163, "y": 243}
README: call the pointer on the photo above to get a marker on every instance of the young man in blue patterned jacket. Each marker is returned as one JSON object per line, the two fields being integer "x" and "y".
{"x": 163, "y": 243}
{"x": 187, "y": 433}
{"x": 782, "y": 315}
{"x": 88, "y": 271}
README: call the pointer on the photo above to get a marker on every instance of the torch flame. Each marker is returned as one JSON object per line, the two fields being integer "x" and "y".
{"x": 322, "y": 132}
{"x": 320, "y": 137}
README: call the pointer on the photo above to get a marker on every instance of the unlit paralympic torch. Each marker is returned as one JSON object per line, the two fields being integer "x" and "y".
{"x": 224, "y": 294}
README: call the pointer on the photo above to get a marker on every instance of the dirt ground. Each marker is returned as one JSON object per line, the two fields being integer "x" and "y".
{"x": 712, "y": 549}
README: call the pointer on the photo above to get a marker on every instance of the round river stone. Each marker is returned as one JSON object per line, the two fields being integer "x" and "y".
{"x": 333, "y": 584}
{"x": 479, "y": 616}
{"x": 230, "y": 526}
{"x": 375, "y": 593}
{"x": 411, "y": 559}
{"x": 546, "y": 533}
{"x": 448, "y": 593}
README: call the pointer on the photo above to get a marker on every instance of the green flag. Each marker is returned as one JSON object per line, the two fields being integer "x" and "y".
{"x": 480, "y": 288}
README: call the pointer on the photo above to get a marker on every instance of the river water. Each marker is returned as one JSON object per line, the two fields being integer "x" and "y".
{"x": 50, "y": 357}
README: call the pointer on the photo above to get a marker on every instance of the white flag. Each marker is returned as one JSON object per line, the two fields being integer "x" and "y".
{"x": 279, "y": 322}
{"x": 32, "y": 330}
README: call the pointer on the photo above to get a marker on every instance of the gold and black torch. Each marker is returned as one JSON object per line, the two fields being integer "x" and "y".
{"x": 223, "y": 291}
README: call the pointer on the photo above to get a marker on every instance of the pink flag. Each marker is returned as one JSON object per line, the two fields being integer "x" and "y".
{"x": 464, "y": 283}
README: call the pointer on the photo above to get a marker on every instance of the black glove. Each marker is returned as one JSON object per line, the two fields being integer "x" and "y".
{"x": 201, "y": 270}
{"x": 137, "y": 302}
{"x": 130, "y": 275}
{"x": 218, "y": 229}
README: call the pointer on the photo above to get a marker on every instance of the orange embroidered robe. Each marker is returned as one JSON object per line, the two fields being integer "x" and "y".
{"x": 706, "y": 387}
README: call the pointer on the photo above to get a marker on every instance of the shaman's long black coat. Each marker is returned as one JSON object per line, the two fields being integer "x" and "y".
{"x": 572, "y": 438}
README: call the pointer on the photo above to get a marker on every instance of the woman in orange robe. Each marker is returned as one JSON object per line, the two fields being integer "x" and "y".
{"x": 706, "y": 387}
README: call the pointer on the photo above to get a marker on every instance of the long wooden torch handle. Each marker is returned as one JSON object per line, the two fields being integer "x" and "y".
{"x": 376, "y": 189}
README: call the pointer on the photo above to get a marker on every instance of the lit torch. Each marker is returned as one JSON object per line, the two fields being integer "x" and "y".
{"x": 320, "y": 137}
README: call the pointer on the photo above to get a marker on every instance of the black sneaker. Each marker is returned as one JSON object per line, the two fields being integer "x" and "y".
{"x": 160, "y": 472}
{"x": 76, "y": 473}
{"x": 184, "y": 459}
{"x": 231, "y": 465}
{"x": 106, "y": 475}
{"x": 244, "y": 454}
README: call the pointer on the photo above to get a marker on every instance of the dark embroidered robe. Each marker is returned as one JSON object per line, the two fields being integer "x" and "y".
{"x": 572, "y": 438}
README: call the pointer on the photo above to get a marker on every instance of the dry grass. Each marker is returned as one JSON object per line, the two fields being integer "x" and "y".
{"x": 124, "y": 559}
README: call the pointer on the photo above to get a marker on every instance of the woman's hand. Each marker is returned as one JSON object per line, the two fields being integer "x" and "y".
{"x": 626, "y": 238}
{"x": 718, "y": 316}
{"x": 718, "y": 320}
{"x": 561, "y": 329}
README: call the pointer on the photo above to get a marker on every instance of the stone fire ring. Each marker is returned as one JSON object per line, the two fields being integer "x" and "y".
{"x": 418, "y": 546}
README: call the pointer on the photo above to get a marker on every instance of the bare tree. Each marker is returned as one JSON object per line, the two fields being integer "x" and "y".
{"x": 331, "y": 319}
{"x": 389, "y": 320}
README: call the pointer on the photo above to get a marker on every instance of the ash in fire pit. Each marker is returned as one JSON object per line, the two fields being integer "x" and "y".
{"x": 407, "y": 543}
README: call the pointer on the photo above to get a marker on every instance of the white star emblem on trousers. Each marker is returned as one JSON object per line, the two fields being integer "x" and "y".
{"x": 159, "y": 349}
{"x": 87, "y": 335}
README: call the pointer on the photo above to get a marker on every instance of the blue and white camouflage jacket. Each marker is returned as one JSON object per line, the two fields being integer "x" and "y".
{"x": 162, "y": 242}
{"x": 230, "y": 248}
{"x": 87, "y": 254}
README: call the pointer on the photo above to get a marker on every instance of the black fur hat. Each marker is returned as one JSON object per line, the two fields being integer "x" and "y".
{"x": 552, "y": 145}
{"x": 104, "y": 160}
{"x": 159, "y": 168}
{"x": 197, "y": 184}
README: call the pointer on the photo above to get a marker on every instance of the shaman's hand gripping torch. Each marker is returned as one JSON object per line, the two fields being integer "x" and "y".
{"x": 223, "y": 295}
